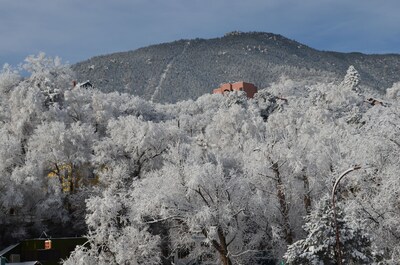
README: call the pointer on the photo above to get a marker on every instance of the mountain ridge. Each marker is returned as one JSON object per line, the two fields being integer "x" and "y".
{"x": 187, "y": 69}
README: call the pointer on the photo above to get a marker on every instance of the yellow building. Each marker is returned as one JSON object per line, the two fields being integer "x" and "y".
{"x": 72, "y": 177}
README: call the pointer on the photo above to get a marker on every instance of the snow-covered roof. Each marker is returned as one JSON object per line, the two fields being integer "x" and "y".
{"x": 26, "y": 263}
{"x": 7, "y": 249}
{"x": 84, "y": 84}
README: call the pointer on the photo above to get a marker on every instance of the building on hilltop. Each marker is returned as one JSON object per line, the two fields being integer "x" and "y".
{"x": 249, "y": 88}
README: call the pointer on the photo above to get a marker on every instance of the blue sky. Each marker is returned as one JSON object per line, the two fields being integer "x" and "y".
{"x": 76, "y": 30}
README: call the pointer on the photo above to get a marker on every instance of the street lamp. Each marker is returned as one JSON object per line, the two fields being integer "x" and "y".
{"x": 338, "y": 253}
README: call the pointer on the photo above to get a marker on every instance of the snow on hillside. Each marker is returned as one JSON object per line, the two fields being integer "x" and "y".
{"x": 257, "y": 57}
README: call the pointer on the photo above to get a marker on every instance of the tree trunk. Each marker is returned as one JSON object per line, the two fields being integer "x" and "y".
{"x": 225, "y": 260}
{"x": 73, "y": 180}
{"x": 307, "y": 197}
{"x": 283, "y": 204}
{"x": 221, "y": 246}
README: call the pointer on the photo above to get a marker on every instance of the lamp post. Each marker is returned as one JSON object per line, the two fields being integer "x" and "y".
{"x": 338, "y": 252}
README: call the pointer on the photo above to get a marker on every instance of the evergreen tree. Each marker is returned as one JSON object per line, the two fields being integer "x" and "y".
{"x": 319, "y": 245}
{"x": 352, "y": 79}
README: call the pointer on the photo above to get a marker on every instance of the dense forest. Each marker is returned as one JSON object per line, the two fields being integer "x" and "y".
{"x": 218, "y": 180}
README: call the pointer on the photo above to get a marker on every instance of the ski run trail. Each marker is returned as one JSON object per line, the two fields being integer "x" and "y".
{"x": 166, "y": 70}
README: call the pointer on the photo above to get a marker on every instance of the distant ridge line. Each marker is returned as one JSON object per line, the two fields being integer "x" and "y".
{"x": 170, "y": 72}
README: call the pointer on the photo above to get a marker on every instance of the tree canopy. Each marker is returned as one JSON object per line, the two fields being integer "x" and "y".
{"x": 221, "y": 179}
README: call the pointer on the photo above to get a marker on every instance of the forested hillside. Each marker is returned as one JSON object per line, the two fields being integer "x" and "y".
{"x": 188, "y": 69}
{"x": 217, "y": 180}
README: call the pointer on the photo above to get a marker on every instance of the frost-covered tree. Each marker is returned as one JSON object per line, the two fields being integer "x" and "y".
{"x": 52, "y": 148}
{"x": 11, "y": 192}
{"x": 49, "y": 75}
{"x": 376, "y": 197}
{"x": 394, "y": 91}
{"x": 55, "y": 144}
{"x": 204, "y": 199}
{"x": 204, "y": 194}
{"x": 114, "y": 237}
{"x": 352, "y": 79}
{"x": 9, "y": 78}
{"x": 28, "y": 197}
{"x": 319, "y": 245}
{"x": 96, "y": 108}
{"x": 136, "y": 143}
{"x": 130, "y": 148}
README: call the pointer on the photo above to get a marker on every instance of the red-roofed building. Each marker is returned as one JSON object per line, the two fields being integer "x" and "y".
{"x": 249, "y": 88}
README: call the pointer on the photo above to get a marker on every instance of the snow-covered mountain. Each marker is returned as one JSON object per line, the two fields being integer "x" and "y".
{"x": 186, "y": 69}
